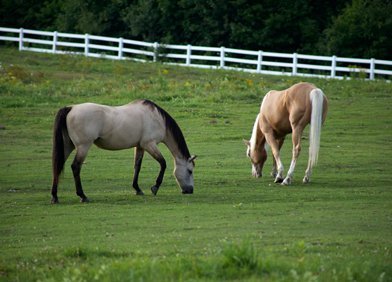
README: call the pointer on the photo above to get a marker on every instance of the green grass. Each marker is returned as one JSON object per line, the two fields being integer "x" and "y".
{"x": 234, "y": 227}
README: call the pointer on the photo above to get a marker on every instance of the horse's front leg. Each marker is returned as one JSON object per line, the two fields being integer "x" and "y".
{"x": 153, "y": 150}
{"x": 139, "y": 153}
{"x": 155, "y": 188}
{"x": 274, "y": 171}
{"x": 274, "y": 144}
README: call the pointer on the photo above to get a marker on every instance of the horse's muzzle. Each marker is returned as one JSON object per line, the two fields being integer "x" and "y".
{"x": 256, "y": 171}
{"x": 187, "y": 190}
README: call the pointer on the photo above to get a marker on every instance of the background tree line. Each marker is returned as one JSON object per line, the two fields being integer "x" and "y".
{"x": 352, "y": 28}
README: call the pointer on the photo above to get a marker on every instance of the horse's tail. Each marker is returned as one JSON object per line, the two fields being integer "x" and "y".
{"x": 58, "y": 153}
{"x": 317, "y": 100}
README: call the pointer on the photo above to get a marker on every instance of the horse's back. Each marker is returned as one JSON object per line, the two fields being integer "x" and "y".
{"x": 113, "y": 128}
{"x": 280, "y": 109}
{"x": 297, "y": 95}
{"x": 299, "y": 98}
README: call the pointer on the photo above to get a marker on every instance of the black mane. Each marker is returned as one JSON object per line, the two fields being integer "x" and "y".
{"x": 172, "y": 127}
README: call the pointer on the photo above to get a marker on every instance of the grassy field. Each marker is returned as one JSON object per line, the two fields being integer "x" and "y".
{"x": 234, "y": 227}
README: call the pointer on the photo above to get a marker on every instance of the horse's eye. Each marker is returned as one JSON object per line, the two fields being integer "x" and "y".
{"x": 190, "y": 171}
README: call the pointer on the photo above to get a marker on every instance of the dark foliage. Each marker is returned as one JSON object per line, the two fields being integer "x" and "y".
{"x": 353, "y": 28}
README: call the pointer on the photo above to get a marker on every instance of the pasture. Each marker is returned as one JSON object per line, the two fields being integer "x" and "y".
{"x": 234, "y": 227}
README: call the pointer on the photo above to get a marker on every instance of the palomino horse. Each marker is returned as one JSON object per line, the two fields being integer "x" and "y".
{"x": 281, "y": 113}
{"x": 140, "y": 124}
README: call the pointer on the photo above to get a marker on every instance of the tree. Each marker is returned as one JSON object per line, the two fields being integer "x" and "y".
{"x": 27, "y": 13}
{"x": 352, "y": 28}
{"x": 362, "y": 30}
{"x": 98, "y": 17}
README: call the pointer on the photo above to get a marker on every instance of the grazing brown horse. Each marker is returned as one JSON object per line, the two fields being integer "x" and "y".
{"x": 281, "y": 113}
{"x": 141, "y": 124}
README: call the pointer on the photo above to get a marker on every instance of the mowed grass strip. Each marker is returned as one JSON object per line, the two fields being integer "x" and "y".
{"x": 234, "y": 227}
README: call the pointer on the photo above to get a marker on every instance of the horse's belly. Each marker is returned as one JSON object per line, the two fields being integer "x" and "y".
{"x": 116, "y": 143}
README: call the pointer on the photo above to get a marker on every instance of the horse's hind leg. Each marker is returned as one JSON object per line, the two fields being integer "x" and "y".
{"x": 81, "y": 154}
{"x": 308, "y": 173}
{"x": 296, "y": 137}
{"x": 68, "y": 148}
{"x": 139, "y": 153}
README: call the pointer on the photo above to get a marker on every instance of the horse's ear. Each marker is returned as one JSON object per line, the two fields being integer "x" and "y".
{"x": 192, "y": 158}
{"x": 246, "y": 142}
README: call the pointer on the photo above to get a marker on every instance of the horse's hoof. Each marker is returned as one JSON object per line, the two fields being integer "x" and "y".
{"x": 84, "y": 200}
{"x": 286, "y": 182}
{"x": 278, "y": 180}
{"x": 54, "y": 201}
{"x": 306, "y": 180}
{"x": 140, "y": 193}
{"x": 154, "y": 190}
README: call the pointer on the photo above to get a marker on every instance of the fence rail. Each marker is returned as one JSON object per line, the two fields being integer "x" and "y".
{"x": 197, "y": 56}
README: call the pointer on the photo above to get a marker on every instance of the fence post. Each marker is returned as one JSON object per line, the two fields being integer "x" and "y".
{"x": 120, "y": 47}
{"x": 295, "y": 61}
{"x": 54, "y": 42}
{"x": 333, "y": 67}
{"x": 259, "y": 61}
{"x": 188, "y": 55}
{"x": 86, "y": 42}
{"x": 372, "y": 67}
{"x": 222, "y": 57}
{"x": 20, "y": 39}
{"x": 155, "y": 51}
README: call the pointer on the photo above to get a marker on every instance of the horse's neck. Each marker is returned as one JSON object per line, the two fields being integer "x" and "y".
{"x": 174, "y": 148}
{"x": 260, "y": 140}
{"x": 257, "y": 138}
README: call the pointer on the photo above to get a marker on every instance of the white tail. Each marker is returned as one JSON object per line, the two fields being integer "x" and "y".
{"x": 317, "y": 99}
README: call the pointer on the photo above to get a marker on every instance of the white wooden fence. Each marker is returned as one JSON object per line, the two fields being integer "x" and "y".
{"x": 197, "y": 56}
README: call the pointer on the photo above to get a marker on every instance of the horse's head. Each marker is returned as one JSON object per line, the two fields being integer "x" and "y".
{"x": 258, "y": 156}
{"x": 184, "y": 174}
